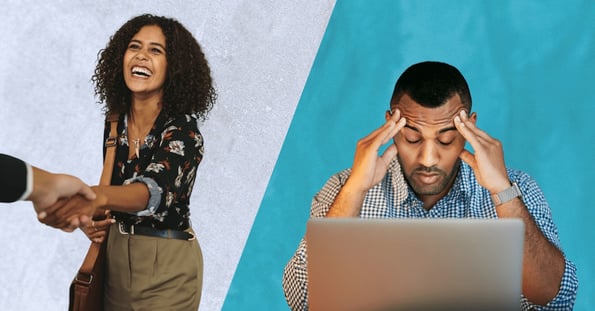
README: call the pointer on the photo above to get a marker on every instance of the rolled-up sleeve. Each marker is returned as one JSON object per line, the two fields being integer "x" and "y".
{"x": 566, "y": 296}
{"x": 295, "y": 280}
{"x": 155, "y": 193}
{"x": 295, "y": 274}
{"x": 538, "y": 207}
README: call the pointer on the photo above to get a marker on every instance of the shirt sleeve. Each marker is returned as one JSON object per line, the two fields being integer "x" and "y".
{"x": 28, "y": 182}
{"x": 295, "y": 280}
{"x": 538, "y": 207}
{"x": 171, "y": 173}
{"x": 295, "y": 274}
{"x": 16, "y": 181}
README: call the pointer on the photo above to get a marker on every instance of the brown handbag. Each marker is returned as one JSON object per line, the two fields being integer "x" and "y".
{"x": 86, "y": 290}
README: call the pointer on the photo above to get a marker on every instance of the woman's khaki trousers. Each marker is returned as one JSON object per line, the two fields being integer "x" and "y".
{"x": 152, "y": 274}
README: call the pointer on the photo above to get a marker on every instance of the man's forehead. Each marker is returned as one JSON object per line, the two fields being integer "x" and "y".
{"x": 430, "y": 118}
{"x": 437, "y": 118}
{"x": 417, "y": 113}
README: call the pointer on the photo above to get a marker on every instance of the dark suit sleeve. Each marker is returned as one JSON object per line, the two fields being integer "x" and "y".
{"x": 13, "y": 178}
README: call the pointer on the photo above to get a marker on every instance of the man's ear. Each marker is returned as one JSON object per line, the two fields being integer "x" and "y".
{"x": 473, "y": 118}
{"x": 388, "y": 114}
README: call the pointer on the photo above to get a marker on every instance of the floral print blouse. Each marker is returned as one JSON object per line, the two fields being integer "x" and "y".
{"x": 167, "y": 164}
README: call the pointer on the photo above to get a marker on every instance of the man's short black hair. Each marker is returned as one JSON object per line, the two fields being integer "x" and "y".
{"x": 431, "y": 84}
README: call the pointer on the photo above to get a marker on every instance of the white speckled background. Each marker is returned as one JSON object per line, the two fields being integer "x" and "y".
{"x": 260, "y": 53}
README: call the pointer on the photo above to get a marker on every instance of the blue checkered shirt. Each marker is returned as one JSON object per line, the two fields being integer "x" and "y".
{"x": 392, "y": 198}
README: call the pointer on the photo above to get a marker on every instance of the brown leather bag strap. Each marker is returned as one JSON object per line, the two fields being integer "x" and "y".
{"x": 85, "y": 275}
{"x": 106, "y": 176}
{"x": 110, "y": 153}
{"x": 86, "y": 290}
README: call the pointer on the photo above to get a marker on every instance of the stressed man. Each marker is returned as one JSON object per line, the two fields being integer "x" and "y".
{"x": 427, "y": 173}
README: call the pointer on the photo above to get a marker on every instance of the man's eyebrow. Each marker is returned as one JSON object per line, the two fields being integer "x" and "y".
{"x": 452, "y": 128}
{"x": 411, "y": 127}
{"x": 446, "y": 129}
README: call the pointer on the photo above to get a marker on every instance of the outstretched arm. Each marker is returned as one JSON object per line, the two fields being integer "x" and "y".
{"x": 44, "y": 189}
{"x": 126, "y": 198}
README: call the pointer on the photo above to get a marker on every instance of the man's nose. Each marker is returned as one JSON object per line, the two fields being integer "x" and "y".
{"x": 428, "y": 155}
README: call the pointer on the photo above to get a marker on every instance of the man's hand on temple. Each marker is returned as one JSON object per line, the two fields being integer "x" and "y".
{"x": 488, "y": 159}
{"x": 368, "y": 166}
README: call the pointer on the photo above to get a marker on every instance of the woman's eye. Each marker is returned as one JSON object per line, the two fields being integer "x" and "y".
{"x": 156, "y": 51}
{"x": 133, "y": 46}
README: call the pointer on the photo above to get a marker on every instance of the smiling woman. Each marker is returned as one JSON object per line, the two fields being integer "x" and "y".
{"x": 155, "y": 78}
{"x": 187, "y": 86}
{"x": 145, "y": 63}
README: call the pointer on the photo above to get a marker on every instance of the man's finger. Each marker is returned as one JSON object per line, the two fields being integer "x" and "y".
{"x": 396, "y": 115}
{"x": 87, "y": 193}
{"x": 390, "y": 134}
{"x": 68, "y": 228}
{"x": 472, "y": 127}
{"x": 58, "y": 204}
{"x": 389, "y": 154}
{"x": 385, "y": 130}
{"x": 58, "y": 215}
{"x": 466, "y": 132}
{"x": 468, "y": 158}
{"x": 74, "y": 222}
{"x": 84, "y": 220}
{"x": 41, "y": 215}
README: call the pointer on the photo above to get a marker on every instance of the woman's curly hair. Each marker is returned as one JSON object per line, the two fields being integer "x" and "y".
{"x": 188, "y": 87}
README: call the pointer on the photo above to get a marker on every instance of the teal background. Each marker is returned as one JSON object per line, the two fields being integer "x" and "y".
{"x": 531, "y": 68}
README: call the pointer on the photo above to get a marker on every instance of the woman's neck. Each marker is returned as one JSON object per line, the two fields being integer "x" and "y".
{"x": 144, "y": 112}
{"x": 141, "y": 120}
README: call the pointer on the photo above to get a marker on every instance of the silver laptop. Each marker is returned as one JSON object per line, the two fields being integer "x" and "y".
{"x": 414, "y": 264}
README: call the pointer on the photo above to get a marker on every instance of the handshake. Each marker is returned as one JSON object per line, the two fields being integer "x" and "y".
{"x": 60, "y": 201}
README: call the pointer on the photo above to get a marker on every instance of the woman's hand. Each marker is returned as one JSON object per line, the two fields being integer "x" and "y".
{"x": 96, "y": 230}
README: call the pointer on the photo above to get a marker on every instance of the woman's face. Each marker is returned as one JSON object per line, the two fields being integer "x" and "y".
{"x": 145, "y": 63}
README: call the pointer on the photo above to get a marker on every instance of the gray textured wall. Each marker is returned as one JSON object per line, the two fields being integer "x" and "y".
{"x": 260, "y": 53}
